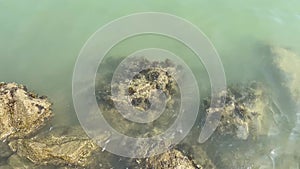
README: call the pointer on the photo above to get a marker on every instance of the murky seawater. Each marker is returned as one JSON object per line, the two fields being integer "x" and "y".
{"x": 40, "y": 41}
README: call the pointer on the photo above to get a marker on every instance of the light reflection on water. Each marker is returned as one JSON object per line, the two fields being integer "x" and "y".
{"x": 40, "y": 42}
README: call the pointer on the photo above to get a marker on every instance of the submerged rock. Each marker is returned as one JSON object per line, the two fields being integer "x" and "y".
{"x": 59, "y": 147}
{"x": 201, "y": 158}
{"x": 141, "y": 92}
{"x": 182, "y": 156}
{"x": 170, "y": 160}
{"x": 141, "y": 87}
{"x": 175, "y": 159}
{"x": 145, "y": 86}
{"x": 244, "y": 112}
{"x": 4, "y": 151}
{"x": 5, "y": 167}
{"x": 22, "y": 112}
{"x": 16, "y": 162}
{"x": 288, "y": 62}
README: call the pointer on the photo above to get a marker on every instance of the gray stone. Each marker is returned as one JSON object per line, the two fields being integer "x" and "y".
{"x": 4, "y": 150}
{"x": 16, "y": 162}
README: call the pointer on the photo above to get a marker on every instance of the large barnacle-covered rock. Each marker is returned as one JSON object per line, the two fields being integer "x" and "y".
{"x": 244, "y": 111}
{"x": 145, "y": 86}
{"x": 141, "y": 86}
{"x": 22, "y": 113}
{"x": 142, "y": 80}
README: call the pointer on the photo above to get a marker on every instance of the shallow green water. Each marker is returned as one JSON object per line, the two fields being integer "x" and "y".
{"x": 40, "y": 40}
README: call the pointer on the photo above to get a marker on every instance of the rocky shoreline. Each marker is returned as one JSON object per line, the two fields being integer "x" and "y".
{"x": 28, "y": 142}
{"x": 23, "y": 143}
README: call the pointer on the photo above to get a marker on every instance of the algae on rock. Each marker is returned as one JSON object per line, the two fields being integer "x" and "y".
{"x": 288, "y": 62}
{"x": 135, "y": 89}
{"x": 22, "y": 113}
{"x": 245, "y": 112}
{"x": 175, "y": 159}
{"x": 62, "y": 146}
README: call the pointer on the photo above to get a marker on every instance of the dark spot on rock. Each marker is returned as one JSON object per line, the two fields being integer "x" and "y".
{"x": 31, "y": 95}
{"x": 130, "y": 91}
{"x": 172, "y": 91}
{"x": 137, "y": 76}
{"x": 43, "y": 97}
{"x": 12, "y": 91}
{"x": 144, "y": 72}
{"x": 158, "y": 86}
{"x": 168, "y": 86}
{"x": 239, "y": 112}
{"x": 147, "y": 104}
{"x": 152, "y": 76}
{"x": 136, "y": 101}
{"x": 39, "y": 107}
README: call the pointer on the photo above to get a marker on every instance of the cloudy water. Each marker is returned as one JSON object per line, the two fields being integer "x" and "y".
{"x": 40, "y": 42}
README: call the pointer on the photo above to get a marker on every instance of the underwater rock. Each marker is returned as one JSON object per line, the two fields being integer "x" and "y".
{"x": 22, "y": 112}
{"x": 288, "y": 62}
{"x": 62, "y": 146}
{"x": 169, "y": 160}
{"x": 143, "y": 86}
{"x": 138, "y": 81}
{"x": 4, "y": 150}
{"x": 135, "y": 91}
{"x": 182, "y": 156}
{"x": 16, "y": 162}
{"x": 175, "y": 159}
{"x": 244, "y": 112}
{"x": 5, "y": 167}
{"x": 200, "y": 157}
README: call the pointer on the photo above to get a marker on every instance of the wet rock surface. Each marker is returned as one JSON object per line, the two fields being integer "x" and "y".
{"x": 244, "y": 112}
{"x": 24, "y": 145}
{"x": 176, "y": 159}
{"x": 16, "y": 162}
{"x": 144, "y": 86}
{"x": 5, "y": 151}
{"x": 200, "y": 157}
{"x": 62, "y": 146}
{"x": 169, "y": 160}
{"x": 5, "y": 166}
{"x": 22, "y": 112}
{"x": 136, "y": 90}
